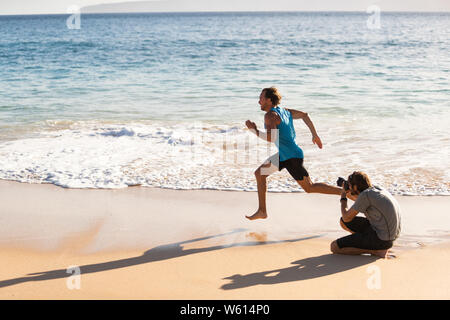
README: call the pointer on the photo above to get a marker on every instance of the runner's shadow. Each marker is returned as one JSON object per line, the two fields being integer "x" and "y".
{"x": 304, "y": 269}
{"x": 159, "y": 253}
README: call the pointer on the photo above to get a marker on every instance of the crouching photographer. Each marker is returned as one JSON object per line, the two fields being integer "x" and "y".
{"x": 376, "y": 232}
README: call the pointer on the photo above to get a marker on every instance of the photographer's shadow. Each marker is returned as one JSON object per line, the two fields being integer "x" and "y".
{"x": 308, "y": 268}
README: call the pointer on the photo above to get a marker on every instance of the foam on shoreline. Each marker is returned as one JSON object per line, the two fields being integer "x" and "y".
{"x": 201, "y": 156}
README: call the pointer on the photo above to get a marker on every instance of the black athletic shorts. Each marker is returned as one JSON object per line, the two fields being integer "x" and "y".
{"x": 295, "y": 168}
{"x": 364, "y": 237}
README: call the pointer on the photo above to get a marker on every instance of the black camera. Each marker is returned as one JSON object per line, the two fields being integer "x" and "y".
{"x": 341, "y": 181}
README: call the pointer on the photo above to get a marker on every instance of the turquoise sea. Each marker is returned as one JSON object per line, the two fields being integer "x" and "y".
{"x": 160, "y": 99}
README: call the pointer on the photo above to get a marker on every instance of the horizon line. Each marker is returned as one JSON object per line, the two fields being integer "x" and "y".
{"x": 215, "y": 11}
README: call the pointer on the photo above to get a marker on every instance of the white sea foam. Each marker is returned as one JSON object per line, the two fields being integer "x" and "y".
{"x": 206, "y": 156}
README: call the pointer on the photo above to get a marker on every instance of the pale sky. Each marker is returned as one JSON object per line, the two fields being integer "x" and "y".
{"x": 61, "y": 6}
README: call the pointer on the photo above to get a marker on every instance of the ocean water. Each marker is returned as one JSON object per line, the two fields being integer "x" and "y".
{"x": 160, "y": 99}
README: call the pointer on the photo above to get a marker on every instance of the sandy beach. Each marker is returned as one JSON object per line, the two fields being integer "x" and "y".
{"x": 145, "y": 243}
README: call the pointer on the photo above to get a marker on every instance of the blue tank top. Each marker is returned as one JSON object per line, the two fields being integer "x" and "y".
{"x": 286, "y": 144}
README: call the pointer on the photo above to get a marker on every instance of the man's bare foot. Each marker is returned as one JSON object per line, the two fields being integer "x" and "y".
{"x": 260, "y": 214}
{"x": 391, "y": 254}
{"x": 385, "y": 254}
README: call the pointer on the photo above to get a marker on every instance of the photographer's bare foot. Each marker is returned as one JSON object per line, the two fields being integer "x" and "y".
{"x": 385, "y": 254}
{"x": 391, "y": 254}
{"x": 260, "y": 214}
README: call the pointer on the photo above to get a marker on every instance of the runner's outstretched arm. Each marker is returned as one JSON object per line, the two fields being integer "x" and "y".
{"x": 297, "y": 114}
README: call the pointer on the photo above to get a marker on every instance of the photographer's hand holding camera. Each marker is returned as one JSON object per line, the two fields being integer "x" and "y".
{"x": 376, "y": 232}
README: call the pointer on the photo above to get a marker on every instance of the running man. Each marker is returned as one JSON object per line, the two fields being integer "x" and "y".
{"x": 290, "y": 155}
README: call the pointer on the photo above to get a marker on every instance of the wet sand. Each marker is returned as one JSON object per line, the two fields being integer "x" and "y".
{"x": 144, "y": 243}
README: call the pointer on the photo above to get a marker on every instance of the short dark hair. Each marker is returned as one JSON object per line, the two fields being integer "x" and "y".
{"x": 272, "y": 94}
{"x": 360, "y": 180}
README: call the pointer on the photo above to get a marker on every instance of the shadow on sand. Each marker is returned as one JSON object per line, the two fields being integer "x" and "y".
{"x": 163, "y": 252}
{"x": 304, "y": 269}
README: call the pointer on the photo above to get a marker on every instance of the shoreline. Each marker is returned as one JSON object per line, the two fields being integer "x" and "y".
{"x": 139, "y": 185}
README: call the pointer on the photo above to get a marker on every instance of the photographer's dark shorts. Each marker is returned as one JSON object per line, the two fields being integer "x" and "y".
{"x": 363, "y": 238}
{"x": 294, "y": 166}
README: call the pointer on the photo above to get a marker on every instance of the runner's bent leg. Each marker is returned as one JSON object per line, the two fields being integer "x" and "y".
{"x": 310, "y": 187}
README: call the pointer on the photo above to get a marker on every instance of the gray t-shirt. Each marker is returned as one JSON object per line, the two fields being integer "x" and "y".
{"x": 382, "y": 211}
